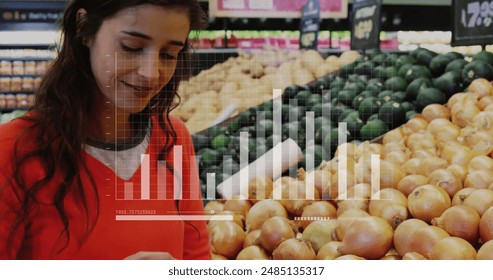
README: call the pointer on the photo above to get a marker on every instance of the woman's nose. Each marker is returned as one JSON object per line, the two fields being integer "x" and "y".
{"x": 149, "y": 66}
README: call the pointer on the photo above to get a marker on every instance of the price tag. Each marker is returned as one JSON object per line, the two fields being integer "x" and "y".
{"x": 473, "y": 22}
{"x": 310, "y": 25}
{"x": 365, "y": 27}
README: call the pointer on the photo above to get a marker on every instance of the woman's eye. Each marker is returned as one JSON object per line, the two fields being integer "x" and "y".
{"x": 129, "y": 49}
{"x": 166, "y": 55}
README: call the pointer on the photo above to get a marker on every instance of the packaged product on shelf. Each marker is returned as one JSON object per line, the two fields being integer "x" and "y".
{"x": 3, "y": 101}
{"x": 22, "y": 101}
{"x": 5, "y": 67}
{"x": 5, "y": 84}
{"x": 41, "y": 67}
{"x": 30, "y": 67}
{"x": 16, "y": 84}
{"x": 30, "y": 100}
{"x": 10, "y": 100}
{"x": 28, "y": 84}
{"x": 18, "y": 67}
{"x": 36, "y": 82}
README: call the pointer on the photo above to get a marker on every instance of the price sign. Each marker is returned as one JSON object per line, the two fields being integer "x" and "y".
{"x": 473, "y": 22}
{"x": 310, "y": 25}
{"x": 365, "y": 28}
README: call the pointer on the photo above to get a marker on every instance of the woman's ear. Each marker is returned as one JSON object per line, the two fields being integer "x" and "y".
{"x": 81, "y": 16}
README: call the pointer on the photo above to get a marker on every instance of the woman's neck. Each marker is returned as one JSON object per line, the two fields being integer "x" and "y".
{"x": 110, "y": 124}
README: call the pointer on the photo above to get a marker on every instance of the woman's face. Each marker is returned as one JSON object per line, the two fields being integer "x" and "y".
{"x": 134, "y": 55}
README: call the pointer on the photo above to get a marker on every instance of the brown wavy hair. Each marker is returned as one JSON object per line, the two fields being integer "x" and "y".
{"x": 63, "y": 104}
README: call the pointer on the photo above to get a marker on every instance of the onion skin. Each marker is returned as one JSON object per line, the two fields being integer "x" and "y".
{"x": 316, "y": 210}
{"x": 349, "y": 257}
{"x": 460, "y": 221}
{"x": 424, "y": 238}
{"x": 461, "y": 195}
{"x": 411, "y": 256}
{"x": 216, "y": 257}
{"x": 294, "y": 249}
{"x": 368, "y": 237}
{"x": 239, "y": 206}
{"x": 452, "y": 248}
{"x": 329, "y": 251}
{"x": 226, "y": 239}
{"x": 261, "y": 211}
{"x": 346, "y": 219}
{"x": 427, "y": 202}
{"x": 403, "y": 232}
{"x": 320, "y": 233}
{"x": 446, "y": 180}
{"x": 260, "y": 187}
{"x": 410, "y": 182}
{"x": 275, "y": 230}
{"x": 236, "y": 218}
{"x": 480, "y": 200}
{"x": 253, "y": 253}
{"x": 486, "y": 226}
{"x": 486, "y": 251}
{"x": 251, "y": 238}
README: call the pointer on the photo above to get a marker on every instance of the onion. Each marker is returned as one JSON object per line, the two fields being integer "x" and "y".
{"x": 435, "y": 111}
{"x": 459, "y": 197}
{"x": 483, "y": 120}
{"x": 480, "y": 162}
{"x": 427, "y": 202}
{"x": 425, "y": 153}
{"x": 349, "y": 257}
{"x": 421, "y": 141}
{"x": 346, "y": 219}
{"x": 360, "y": 191}
{"x": 329, "y": 251}
{"x": 294, "y": 196}
{"x": 446, "y": 180}
{"x": 486, "y": 226}
{"x": 294, "y": 249}
{"x": 253, "y": 253}
{"x": 235, "y": 218}
{"x": 410, "y": 182}
{"x": 212, "y": 207}
{"x": 390, "y": 174}
{"x": 479, "y": 179}
{"x": 403, "y": 232}
{"x": 390, "y": 258}
{"x": 334, "y": 163}
{"x": 262, "y": 211}
{"x": 416, "y": 124}
{"x": 251, "y": 238}
{"x": 368, "y": 237}
{"x": 435, "y": 125}
{"x": 393, "y": 147}
{"x": 239, "y": 206}
{"x": 480, "y": 142}
{"x": 319, "y": 233}
{"x": 348, "y": 204}
{"x": 321, "y": 179}
{"x": 391, "y": 206}
{"x": 480, "y": 86}
{"x": 395, "y": 135}
{"x": 430, "y": 164}
{"x": 413, "y": 256}
{"x": 464, "y": 113}
{"x": 484, "y": 102}
{"x": 334, "y": 184}
{"x": 452, "y": 248}
{"x": 423, "y": 239}
{"x": 274, "y": 231}
{"x": 486, "y": 251}
{"x": 455, "y": 153}
{"x": 460, "y": 221}
{"x": 397, "y": 157}
{"x": 480, "y": 200}
{"x": 217, "y": 257}
{"x": 317, "y": 210}
{"x": 259, "y": 188}
{"x": 411, "y": 165}
{"x": 226, "y": 239}
{"x": 458, "y": 170}
{"x": 349, "y": 147}
{"x": 457, "y": 98}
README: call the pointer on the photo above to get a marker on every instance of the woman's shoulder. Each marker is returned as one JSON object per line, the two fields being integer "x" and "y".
{"x": 11, "y": 130}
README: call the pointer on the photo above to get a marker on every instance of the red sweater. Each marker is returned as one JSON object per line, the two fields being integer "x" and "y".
{"x": 39, "y": 237}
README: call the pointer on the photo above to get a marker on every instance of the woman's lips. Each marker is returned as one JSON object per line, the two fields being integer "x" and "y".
{"x": 139, "y": 91}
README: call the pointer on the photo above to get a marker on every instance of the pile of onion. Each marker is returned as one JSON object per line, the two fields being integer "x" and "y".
{"x": 294, "y": 249}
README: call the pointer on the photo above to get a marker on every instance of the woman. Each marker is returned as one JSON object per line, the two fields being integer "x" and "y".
{"x": 98, "y": 169}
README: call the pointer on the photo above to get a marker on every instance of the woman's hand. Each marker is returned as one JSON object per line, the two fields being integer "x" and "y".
{"x": 142, "y": 255}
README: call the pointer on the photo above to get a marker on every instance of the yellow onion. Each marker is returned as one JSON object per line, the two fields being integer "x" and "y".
{"x": 295, "y": 196}
{"x": 321, "y": 179}
{"x": 367, "y": 237}
{"x": 480, "y": 200}
{"x": 275, "y": 230}
{"x": 455, "y": 153}
{"x": 319, "y": 233}
{"x": 403, "y": 232}
{"x": 416, "y": 124}
{"x": 413, "y": 256}
{"x": 259, "y": 188}
{"x": 334, "y": 163}
{"x": 349, "y": 257}
{"x": 410, "y": 166}
{"x": 459, "y": 197}
{"x": 393, "y": 147}
{"x": 348, "y": 204}
{"x": 391, "y": 258}
{"x": 424, "y": 153}
{"x": 235, "y": 218}
{"x": 480, "y": 86}
{"x": 216, "y": 257}
{"x": 458, "y": 170}
{"x": 359, "y": 191}
{"x": 452, "y": 248}
{"x": 395, "y": 135}
{"x": 486, "y": 225}
{"x": 436, "y": 124}
{"x": 239, "y": 206}
{"x": 213, "y": 206}
{"x": 253, "y": 253}
{"x": 410, "y": 182}
{"x": 446, "y": 180}
{"x": 460, "y": 221}
{"x": 463, "y": 114}
{"x": 317, "y": 210}
{"x": 480, "y": 142}
{"x": 457, "y": 98}
{"x": 427, "y": 202}
{"x": 421, "y": 141}
{"x": 349, "y": 147}
{"x": 483, "y": 120}
{"x": 480, "y": 162}
{"x": 486, "y": 251}
{"x": 390, "y": 174}
{"x": 346, "y": 219}
{"x": 479, "y": 179}
{"x": 484, "y": 102}
{"x": 424, "y": 238}
{"x": 334, "y": 184}
{"x": 430, "y": 164}
{"x": 251, "y": 238}
{"x": 329, "y": 251}
{"x": 261, "y": 211}
{"x": 294, "y": 249}
{"x": 435, "y": 111}
{"x": 226, "y": 239}
{"x": 397, "y": 157}
{"x": 391, "y": 206}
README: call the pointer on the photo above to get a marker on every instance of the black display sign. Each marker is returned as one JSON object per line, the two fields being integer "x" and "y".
{"x": 310, "y": 25}
{"x": 365, "y": 24}
{"x": 30, "y": 15}
{"x": 472, "y": 21}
